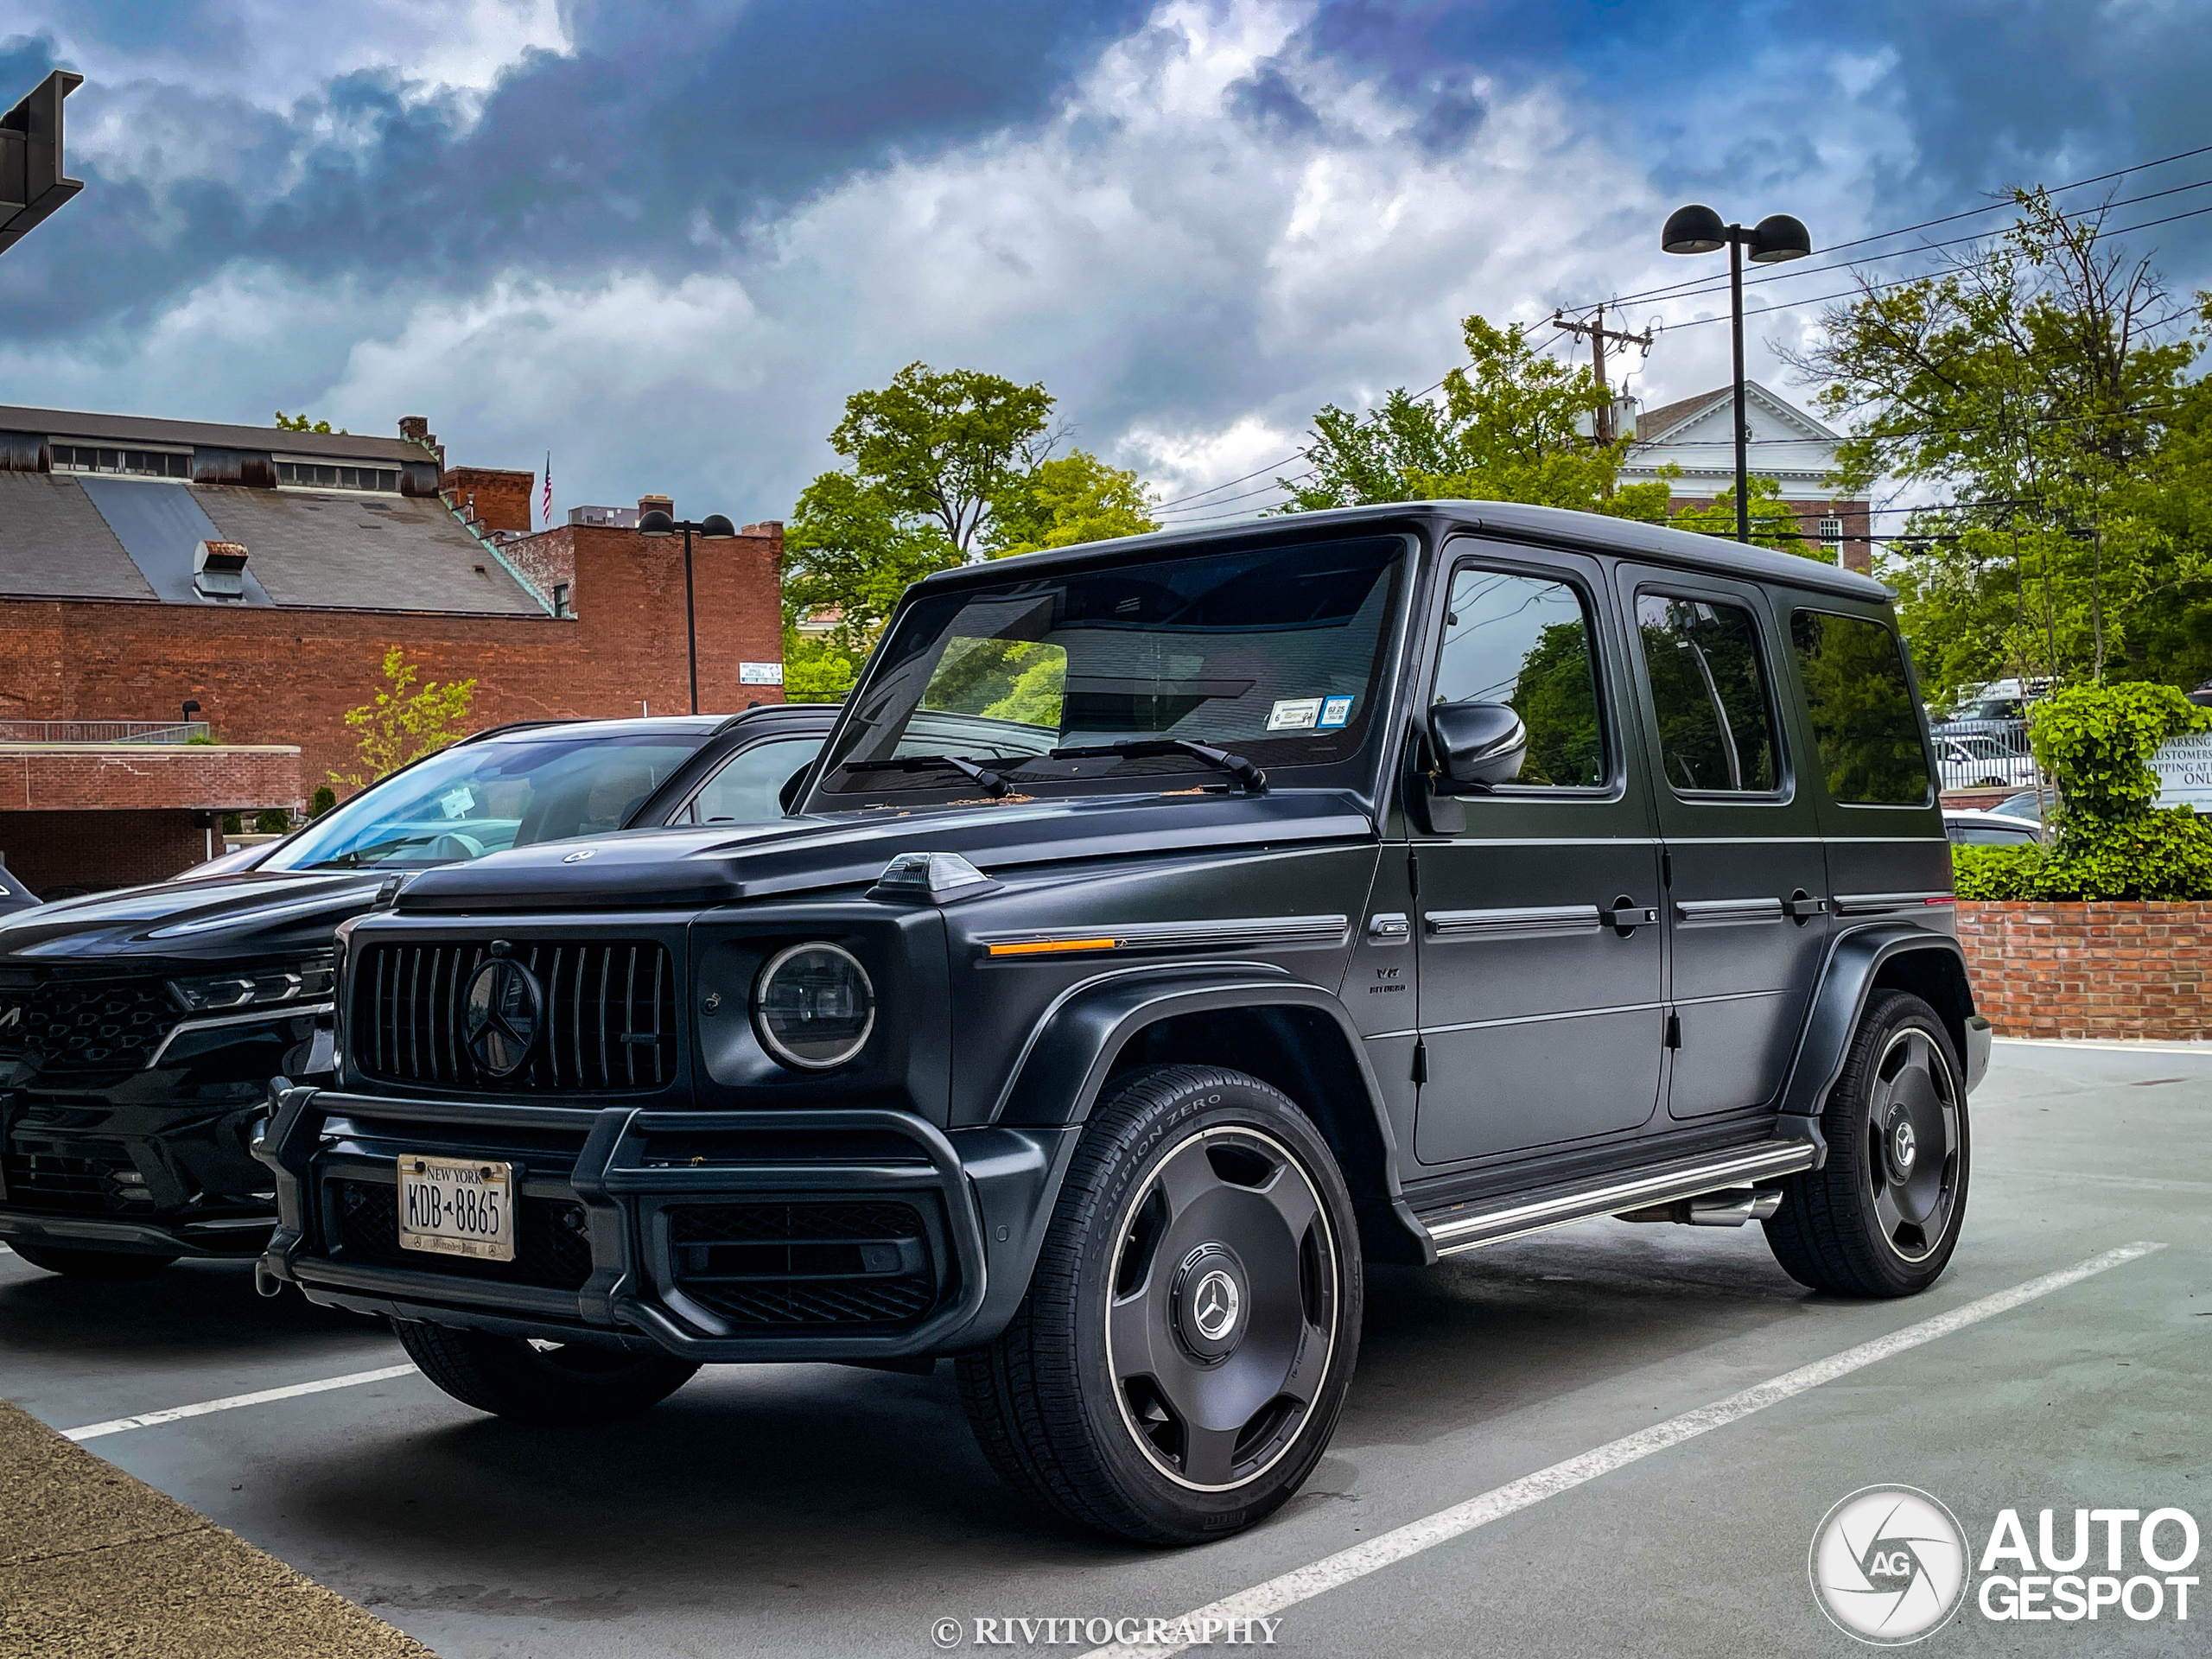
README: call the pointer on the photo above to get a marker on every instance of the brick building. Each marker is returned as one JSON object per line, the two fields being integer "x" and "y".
{"x": 1787, "y": 445}
{"x": 262, "y": 574}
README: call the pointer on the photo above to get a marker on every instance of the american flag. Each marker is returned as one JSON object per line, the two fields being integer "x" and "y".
{"x": 545, "y": 504}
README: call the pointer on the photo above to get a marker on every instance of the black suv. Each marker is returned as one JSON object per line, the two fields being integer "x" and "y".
{"x": 139, "y": 1030}
{"x": 1360, "y": 885}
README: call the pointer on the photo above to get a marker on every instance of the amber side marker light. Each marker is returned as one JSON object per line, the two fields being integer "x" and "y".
{"x": 1047, "y": 947}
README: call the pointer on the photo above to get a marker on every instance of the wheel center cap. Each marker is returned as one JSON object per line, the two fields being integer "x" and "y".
{"x": 1208, "y": 1304}
{"x": 1904, "y": 1147}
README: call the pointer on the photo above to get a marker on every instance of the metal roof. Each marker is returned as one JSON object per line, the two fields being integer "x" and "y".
{"x": 1551, "y": 526}
{"x": 142, "y": 428}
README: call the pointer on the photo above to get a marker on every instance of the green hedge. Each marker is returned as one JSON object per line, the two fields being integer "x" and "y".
{"x": 2159, "y": 855}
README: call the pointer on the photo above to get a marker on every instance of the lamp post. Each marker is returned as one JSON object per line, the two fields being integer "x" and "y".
{"x": 714, "y": 526}
{"x": 1698, "y": 229}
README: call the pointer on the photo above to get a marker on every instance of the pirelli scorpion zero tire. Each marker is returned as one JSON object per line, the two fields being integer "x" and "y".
{"x": 1882, "y": 1217}
{"x": 552, "y": 1385}
{"x": 1177, "y": 1368}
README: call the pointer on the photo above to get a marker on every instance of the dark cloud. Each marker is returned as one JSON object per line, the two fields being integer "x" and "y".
{"x": 1267, "y": 101}
{"x": 664, "y": 119}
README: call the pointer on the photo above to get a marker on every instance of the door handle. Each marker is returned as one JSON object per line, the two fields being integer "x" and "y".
{"x": 1626, "y": 916}
{"x": 1802, "y": 909}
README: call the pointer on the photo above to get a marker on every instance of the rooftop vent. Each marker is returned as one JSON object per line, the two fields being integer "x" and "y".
{"x": 219, "y": 570}
{"x": 606, "y": 517}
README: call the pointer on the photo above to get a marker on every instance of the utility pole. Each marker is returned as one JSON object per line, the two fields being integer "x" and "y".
{"x": 1600, "y": 337}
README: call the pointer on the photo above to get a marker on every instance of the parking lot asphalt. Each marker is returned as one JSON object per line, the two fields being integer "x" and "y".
{"x": 823, "y": 1509}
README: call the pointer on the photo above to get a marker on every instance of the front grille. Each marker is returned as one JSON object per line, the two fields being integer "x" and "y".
{"x": 39, "y": 1179}
{"x": 846, "y": 1264}
{"x": 552, "y": 1243}
{"x": 85, "y": 1025}
{"x": 607, "y": 1018}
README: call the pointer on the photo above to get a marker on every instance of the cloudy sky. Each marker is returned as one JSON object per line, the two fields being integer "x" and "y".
{"x": 665, "y": 239}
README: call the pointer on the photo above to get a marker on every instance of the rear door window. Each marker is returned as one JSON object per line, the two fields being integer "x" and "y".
{"x": 1709, "y": 691}
{"x": 1865, "y": 723}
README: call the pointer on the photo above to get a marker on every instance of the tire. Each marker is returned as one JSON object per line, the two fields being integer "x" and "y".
{"x": 90, "y": 1264}
{"x": 1882, "y": 1217}
{"x": 1178, "y": 1363}
{"x": 565, "y": 1385}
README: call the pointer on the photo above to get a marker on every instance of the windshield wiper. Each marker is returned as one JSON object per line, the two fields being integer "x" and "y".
{"x": 989, "y": 782}
{"x": 1253, "y": 778}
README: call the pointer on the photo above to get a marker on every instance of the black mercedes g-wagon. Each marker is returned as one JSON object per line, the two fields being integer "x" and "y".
{"x": 1169, "y": 927}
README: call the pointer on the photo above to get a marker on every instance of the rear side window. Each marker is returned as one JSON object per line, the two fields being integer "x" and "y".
{"x": 1525, "y": 641}
{"x": 1864, "y": 720}
{"x": 1716, "y": 734}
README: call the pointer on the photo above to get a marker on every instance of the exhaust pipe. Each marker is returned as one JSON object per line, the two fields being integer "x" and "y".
{"x": 1732, "y": 1208}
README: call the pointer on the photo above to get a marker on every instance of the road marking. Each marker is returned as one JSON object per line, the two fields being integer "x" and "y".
{"x": 2110, "y": 1045}
{"x": 1264, "y": 1600}
{"x": 232, "y": 1402}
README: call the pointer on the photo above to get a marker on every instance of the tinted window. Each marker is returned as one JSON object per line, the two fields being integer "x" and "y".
{"x": 745, "y": 790}
{"x": 1990, "y": 834}
{"x": 1525, "y": 641}
{"x": 1864, "y": 720}
{"x": 1710, "y": 694}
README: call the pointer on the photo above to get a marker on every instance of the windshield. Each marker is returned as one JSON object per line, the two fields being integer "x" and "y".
{"x": 1276, "y": 654}
{"x": 485, "y": 798}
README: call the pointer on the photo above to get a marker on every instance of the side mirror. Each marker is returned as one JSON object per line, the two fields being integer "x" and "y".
{"x": 787, "y": 797}
{"x": 1478, "y": 744}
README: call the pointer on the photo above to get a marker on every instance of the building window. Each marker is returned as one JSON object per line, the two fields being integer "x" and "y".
{"x": 127, "y": 463}
{"x": 314, "y": 475}
{"x": 1832, "y": 539}
{"x": 561, "y": 598}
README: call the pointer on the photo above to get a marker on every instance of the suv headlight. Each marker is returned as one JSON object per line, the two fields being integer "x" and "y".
{"x": 813, "y": 1006}
{"x": 254, "y": 987}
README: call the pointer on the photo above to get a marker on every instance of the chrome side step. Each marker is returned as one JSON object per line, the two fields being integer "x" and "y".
{"x": 1469, "y": 1227}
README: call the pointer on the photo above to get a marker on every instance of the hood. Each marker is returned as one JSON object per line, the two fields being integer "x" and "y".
{"x": 718, "y": 865}
{"x": 203, "y": 918}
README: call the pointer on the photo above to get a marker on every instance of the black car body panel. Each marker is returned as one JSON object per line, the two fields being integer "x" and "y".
{"x": 126, "y": 1119}
{"x": 1627, "y": 980}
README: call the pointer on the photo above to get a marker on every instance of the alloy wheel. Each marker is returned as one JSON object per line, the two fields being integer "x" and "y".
{"x": 1912, "y": 1128}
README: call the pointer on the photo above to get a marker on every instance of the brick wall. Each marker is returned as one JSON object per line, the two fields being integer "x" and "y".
{"x": 91, "y": 777}
{"x": 54, "y": 854}
{"x": 288, "y": 676}
{"x": 501, "y": 499}
{"x": 2115, "y": 969}
{"x": 1857, "y": 551}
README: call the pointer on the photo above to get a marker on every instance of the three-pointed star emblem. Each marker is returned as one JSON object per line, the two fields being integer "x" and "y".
{"x": 501, "y": 1015}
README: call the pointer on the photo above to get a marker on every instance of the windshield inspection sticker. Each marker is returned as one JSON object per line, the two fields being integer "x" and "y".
{"x": 1293, "y": 714}
{"x": 456, "y": 802}
{"x": 1334, "y": 712}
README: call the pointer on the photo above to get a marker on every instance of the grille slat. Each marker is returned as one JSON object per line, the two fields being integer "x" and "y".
{"x": 595, "y": 1014}
{"x": 800, "y": 1264}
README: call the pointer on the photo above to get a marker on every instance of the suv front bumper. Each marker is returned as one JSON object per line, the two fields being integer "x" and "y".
{"x": 864, "y": 1234}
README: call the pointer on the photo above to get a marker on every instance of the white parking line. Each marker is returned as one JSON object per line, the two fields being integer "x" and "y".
{"x": 1264, "y": 1600}
{"x": 232, "y": 1402}
{"x": 2111, "y": 1046}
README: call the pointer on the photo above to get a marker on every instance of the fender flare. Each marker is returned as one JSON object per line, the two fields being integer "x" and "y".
{"x": 1064, "y": 1070}
{"x": 1854, "y": 960}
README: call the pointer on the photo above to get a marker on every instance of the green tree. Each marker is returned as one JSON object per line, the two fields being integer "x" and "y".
{"x": 403, "y": 722}
{"x": 1070, "y": 498}
{"x": 1509, "y": 427}
{"x": 301, "y": 423}
{"x": 322, "y": 801}
{"x": 2039, "y": 379}
{"x": 944, "y": 466}
{"x": 1774, "y": 522}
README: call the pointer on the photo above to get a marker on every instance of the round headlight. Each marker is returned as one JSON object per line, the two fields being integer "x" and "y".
{"x": 813, "y": 1006}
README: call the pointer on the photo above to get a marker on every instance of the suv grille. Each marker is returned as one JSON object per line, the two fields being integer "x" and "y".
{"x": 605, "y": 1024}
{"x": 40, "y": 1179}
{"x": 552, "y": 1242}
{"x": 110, "y": 1025}
{"x": 844, "y": 1264}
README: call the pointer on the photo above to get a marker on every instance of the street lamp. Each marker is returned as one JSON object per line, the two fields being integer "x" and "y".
{"x": 1698, "y": 229}
{"x": 714, "y": 526}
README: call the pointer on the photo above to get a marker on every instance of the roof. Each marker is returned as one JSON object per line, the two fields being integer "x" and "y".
{"x": 66, "y": 536}
{"x": 1651, "y": 422}
{"x": 1553, "y": 527}
{"x": 141, "y": 429}
{"x": 769, "y": 716}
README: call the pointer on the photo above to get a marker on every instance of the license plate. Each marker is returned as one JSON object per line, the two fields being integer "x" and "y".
{"x": 457, "y": 1207}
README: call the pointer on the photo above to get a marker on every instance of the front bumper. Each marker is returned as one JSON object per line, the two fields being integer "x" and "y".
{"x": 155, "y": 1176}
{"x": 851, "y": 1234}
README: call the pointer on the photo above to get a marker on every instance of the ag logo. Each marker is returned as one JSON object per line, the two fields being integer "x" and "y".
{"x": 1889, "y": 1565}
{"x": 501, "y": 1015}
{"x": 578, "y": 857}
